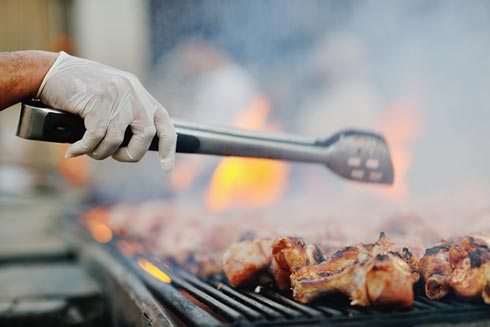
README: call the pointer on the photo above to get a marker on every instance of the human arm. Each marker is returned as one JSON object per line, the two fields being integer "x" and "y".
{"x": 21, "y": 74}
{"x": 108, "y": 99}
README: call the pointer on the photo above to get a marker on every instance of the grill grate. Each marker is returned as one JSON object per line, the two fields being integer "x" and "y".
{"x": 216, "y": 303}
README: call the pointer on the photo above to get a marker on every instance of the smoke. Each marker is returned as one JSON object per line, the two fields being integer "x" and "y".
{"x": 441, "y": 49}
{"x": 329, "y": 65}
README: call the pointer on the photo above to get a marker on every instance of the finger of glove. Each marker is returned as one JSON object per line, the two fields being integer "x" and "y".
{"x": 111, "y": 142}
{"x": 96, "y": 128}
{"x": 167, "y": 138}
{"x": 87, "y": 144}
{"x": 137, "y": 146}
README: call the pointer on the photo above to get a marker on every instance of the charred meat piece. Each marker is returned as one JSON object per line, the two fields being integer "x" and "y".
{"x": 348, "y": 256}
{"x": 314, "y": 254}
{"x": 462, "y": 265}
{"x": 289, "y": 254}
{"x": 436, "y": 269}
{"x": 469, "y": 260}
{"x": 243, "y": 262}
{"x": 412, "y": 262}
{"x": 382, "y": 280}
{"x": 374, "y": 273}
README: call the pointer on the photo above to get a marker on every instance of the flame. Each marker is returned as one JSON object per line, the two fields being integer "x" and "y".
{"x": 401, "y": 126}
{"x": 153, "y": 270}
{"x": 247, "y": 182}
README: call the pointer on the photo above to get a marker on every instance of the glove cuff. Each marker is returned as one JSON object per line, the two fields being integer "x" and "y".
{"x": 53, "y": 67}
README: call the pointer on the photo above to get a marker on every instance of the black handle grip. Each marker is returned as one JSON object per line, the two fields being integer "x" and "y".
{"x": 69, "y": 128}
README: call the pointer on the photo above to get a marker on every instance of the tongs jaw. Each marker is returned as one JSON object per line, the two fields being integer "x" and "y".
{"x": 361, "y": 156}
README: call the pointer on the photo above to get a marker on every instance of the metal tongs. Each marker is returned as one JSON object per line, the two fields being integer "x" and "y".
{"x": 357, "y": 155}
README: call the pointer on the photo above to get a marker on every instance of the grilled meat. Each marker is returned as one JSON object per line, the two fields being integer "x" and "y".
{"x": 436, "y": 270}
{"x": 406, "y": 255}
{"x": 289, "y": 254}
{"x": 384, "y": 279}
{"x": 243, "y": 262}
{"x": 462, "y": 264}
{"x": 350, "y": 255}
{"x": 361, "y": 272}
{"x": 314, "y": 254}
{"x": 470, "y": 261}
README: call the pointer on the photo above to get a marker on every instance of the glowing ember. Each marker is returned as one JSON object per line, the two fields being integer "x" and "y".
{"x": 96, "y": 222}
{"x": 100, "y": 232}
{"x": 248, "y": 183}
{"x": 153, "y": 270}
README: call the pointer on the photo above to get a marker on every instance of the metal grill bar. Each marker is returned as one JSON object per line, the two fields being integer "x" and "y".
{"x": 226, "y": 300}
{"x": 267, "y": 312}
{"x": 308, "y": 311}
{"x": 182, "y": 306}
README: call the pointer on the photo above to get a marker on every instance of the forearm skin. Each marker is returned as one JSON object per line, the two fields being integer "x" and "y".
{"x": 21, "y": 74}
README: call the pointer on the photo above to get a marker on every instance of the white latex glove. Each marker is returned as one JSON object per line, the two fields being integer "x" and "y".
{"x": 109, "y": 100}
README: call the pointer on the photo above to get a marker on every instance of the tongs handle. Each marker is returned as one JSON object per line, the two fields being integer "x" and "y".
{"x": 40, "y": 122}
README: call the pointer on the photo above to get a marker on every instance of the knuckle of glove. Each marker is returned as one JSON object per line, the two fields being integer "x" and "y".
{"x": 148, "y": 132}
{"x": 114, "y": 137}
{"x": 97, "y": 133}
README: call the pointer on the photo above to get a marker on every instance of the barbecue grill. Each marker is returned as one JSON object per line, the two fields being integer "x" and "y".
{"x": 147, "y": 291}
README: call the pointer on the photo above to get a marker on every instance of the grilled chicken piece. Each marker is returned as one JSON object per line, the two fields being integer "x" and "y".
{"x": 359, "y": 271}
{"x": 314, "y": 254}
{"x": 412, "y": 262}
{"x": 470, "y": 261}
{"x": 243, "y": 262}
{"x": 436, "y": 269}
{"x": 382, "y": 280}
{"x": 289, "y": 254}
{"x": 350, "y": 255}
{"x": 462, "y": 265}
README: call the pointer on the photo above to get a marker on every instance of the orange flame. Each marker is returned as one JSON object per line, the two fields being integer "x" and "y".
{"x": 247, "y": 182}
{"x": 401, "y": 126}
{"x": 153, "y": 270}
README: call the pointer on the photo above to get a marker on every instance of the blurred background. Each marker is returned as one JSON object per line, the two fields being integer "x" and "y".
{"x": 416, "y": 71}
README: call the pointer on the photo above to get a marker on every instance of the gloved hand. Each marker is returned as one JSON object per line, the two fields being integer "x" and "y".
{"x": 109, "y": 100}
